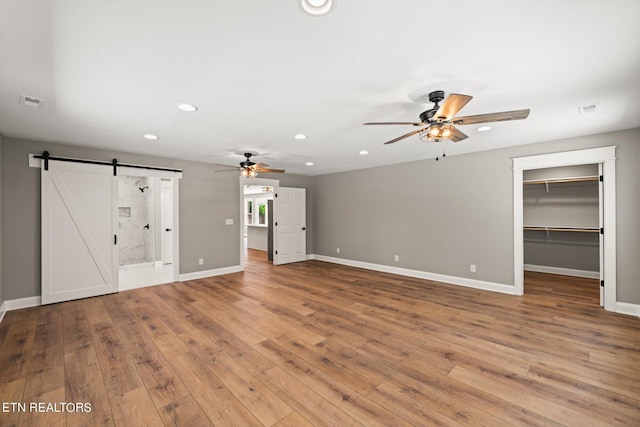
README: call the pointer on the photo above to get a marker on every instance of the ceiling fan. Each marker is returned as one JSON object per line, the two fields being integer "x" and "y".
{"x": 248, "y": 168}
{"x": 438, "y": 122}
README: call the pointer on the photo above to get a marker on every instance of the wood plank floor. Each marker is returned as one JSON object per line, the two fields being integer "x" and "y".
{"x": 315, "y": 343}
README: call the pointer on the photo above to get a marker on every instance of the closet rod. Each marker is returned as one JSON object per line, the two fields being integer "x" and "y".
{"x": 572, "y": 229}
{"x": 46, "y": 157}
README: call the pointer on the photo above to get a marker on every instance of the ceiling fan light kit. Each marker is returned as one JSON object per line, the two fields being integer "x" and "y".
{"x": 438, "y": 122}
{"x": 436, "y": 132}
{"x": 248, "y": 172}
{"x": 249, "y": 169}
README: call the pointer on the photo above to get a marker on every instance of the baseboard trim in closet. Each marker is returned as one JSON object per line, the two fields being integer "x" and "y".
{"x": 562, "y": 271}
{"x": 627, "y": 308}
{"x": 454, "y": 280}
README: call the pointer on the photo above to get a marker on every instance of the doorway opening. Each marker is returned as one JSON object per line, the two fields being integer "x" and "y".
{"x": 257, "y": 222}
{"x": 147, "y": 230}
{"x": 605, "y": 157}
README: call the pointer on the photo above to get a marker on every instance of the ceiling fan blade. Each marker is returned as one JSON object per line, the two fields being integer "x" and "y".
{"x": 394, "y": 123}
{"x": 228, "y": 170}
{"x": 260, "y": 165}
{"x": 451, "y": 106}
{"x": 225, "y": 166}
{"x": 492, "y": 117}
{"x": 261, "y": 169}
{"x": 458, "y": 135}
{"x": 406, "y": 135}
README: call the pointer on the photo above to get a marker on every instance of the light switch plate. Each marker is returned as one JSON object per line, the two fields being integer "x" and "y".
{"x": 228, "y": 221}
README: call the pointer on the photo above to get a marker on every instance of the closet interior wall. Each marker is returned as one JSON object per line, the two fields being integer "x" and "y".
{"x": 553, "y": 199}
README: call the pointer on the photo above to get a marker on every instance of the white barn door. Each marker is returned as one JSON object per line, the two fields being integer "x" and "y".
{"x": 79, "y": 223}
{"x": 290, "y": 225}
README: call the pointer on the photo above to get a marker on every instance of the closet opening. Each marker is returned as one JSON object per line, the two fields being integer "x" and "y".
{"x": 581, "y": 229}
{"x": 562, "y": 216}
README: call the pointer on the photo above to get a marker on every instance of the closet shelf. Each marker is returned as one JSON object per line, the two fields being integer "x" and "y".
{"x": 562, "y": 229}
{"x": 548, "y": 181}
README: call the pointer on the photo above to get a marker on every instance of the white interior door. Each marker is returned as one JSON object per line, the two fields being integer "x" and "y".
{"x": 167, "y": 222}
{"x": 79, "y": 223}
{"x": 290, "y": 221}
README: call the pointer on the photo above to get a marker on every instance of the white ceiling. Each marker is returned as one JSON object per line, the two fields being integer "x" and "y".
{"x": 262, "y": 71}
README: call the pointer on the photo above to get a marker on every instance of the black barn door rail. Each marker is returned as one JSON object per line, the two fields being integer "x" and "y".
{"x": 46, "y": 157}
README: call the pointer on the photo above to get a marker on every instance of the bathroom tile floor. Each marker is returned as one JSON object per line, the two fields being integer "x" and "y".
{"x": 132, "y": 277}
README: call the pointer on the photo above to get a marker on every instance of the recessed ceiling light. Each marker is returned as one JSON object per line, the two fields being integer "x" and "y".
{"x": 364, "y": 152}
{"x": 187, "y": 107}
{"x": 151, "y": 136}
{"x": 300, "y": 136}
{"x": 309, "y": 163}
{"x": 317, "y": 7}
{"x": 483, "y": 128}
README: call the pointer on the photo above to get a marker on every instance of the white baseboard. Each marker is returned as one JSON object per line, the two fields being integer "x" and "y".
{"x": 3, "y": 311}
{"x": 562, "y": 271}
{"x": 210, "y": 273}
{"x": 626, "y": 308}
{"x": 17, "y": 304}
{"x": 462, "y": 281}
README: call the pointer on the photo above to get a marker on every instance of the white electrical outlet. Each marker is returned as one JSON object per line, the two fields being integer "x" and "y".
{"x": 472, "y": 268}
{"x": 397, "y": 258}
{"x": 200, "y": 261}
{"x": 337, "y": 250}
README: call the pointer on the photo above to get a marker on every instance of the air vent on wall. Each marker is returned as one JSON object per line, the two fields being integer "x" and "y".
{"x": 591, "y": 108}
{"x": 31, "y": 101}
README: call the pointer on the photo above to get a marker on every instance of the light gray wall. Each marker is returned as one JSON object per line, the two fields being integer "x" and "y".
{"x": 577, "y": 251}
{"x": 437, "y": 216}
{"x": 1, "y": 228}
{"x": 440, "y": 217}
{"x": 206, "y": 200}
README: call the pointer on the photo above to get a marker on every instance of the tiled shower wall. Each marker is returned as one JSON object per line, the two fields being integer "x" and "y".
{"x": 136, "y": 210}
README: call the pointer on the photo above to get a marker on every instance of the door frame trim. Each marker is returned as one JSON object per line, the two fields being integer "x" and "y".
{"x": 607, "y": 157}
{"x": 174, "y": 177}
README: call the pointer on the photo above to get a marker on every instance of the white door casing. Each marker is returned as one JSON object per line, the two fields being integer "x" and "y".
{"x": 607, "y": 157}
{"x": 600, "y": 235}
{"x": 167, "y": 225}
{"x": 79, "y": 223}
{"x": 289, "y": 220}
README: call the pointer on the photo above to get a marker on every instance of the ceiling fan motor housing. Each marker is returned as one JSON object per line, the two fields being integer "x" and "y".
{"x": 247, "y": 162}
{"x": 426, "y": 116}
{"x": 436, "y": 96}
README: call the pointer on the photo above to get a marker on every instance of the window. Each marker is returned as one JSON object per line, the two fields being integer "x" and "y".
{"x": 262, "y": 213}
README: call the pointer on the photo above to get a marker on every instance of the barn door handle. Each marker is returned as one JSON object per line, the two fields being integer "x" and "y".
{"x": 304, "y": 228}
